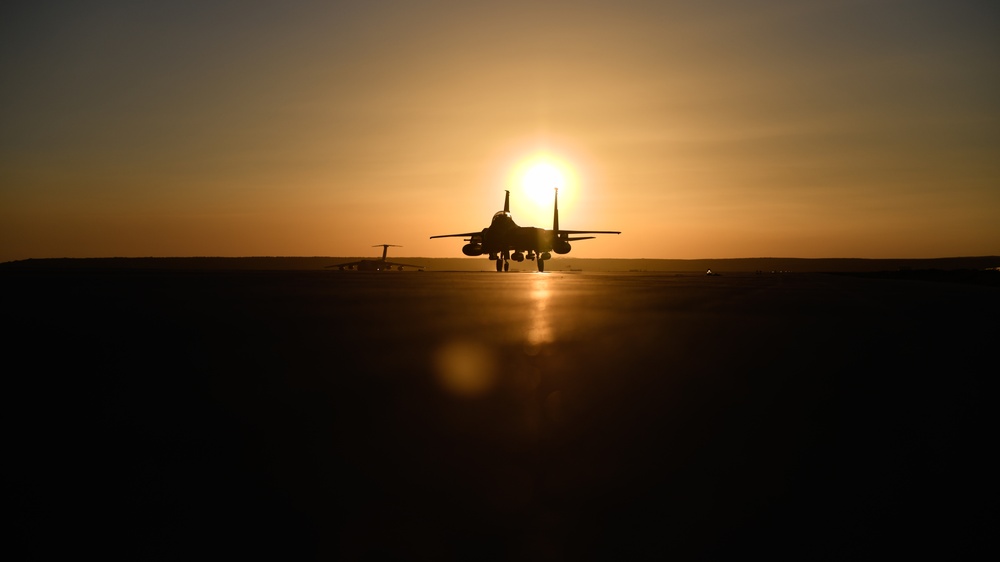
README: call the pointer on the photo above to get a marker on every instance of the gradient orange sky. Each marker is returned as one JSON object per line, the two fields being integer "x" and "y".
{"x": 716, "y": 129}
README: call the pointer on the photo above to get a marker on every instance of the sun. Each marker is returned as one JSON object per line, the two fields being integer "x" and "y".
{"x": 533, "y": 182}
{"x": 539, "y": 181}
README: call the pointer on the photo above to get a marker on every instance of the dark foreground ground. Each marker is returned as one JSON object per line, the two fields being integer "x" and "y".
{"x": 316, "y": 414}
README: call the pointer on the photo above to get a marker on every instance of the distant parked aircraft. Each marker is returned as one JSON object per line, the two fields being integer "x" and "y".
{"x": 375, "y": 265}
{"x": 504, "y": 240}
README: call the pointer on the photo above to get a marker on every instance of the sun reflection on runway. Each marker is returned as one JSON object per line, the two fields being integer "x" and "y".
{"x": 539, "y": 330}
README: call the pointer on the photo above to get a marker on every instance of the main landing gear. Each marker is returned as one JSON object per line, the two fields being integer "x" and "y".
{"x": 503, "y": 261}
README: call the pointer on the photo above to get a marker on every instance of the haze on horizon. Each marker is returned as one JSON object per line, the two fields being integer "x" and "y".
{"x": 718, "y": 129}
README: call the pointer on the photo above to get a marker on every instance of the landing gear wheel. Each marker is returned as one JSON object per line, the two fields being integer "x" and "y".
{"x": 506, "y": 265}
{"x": 499, "y": 264}
{"x": 541, "y": 265}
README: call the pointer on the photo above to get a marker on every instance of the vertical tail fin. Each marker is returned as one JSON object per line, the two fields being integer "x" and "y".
{"x": 506, "y": 201}
{"x": 385, "y": 249}
{"x": 555, "y": 214}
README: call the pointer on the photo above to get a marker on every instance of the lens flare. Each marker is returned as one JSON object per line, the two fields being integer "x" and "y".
{"x": 465, "y": 368}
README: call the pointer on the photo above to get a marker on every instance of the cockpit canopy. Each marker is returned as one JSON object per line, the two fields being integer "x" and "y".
{"x": 502, "y": 217}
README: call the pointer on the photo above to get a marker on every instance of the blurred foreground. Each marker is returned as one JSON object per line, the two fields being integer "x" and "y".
{"x": 316, "y": 414}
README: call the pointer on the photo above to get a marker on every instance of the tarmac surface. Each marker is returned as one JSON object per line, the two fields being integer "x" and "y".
{"x": 458, "y": 415}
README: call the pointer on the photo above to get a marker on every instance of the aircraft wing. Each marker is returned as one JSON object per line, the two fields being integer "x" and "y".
{"x": 351, "y": 264}
{"x": 477, "y": 233}
{"x": 394, "y": 264}
{"x": 562, "y": 233}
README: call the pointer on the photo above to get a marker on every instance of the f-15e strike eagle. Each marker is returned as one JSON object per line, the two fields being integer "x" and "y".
{"x": 504, "y": 240}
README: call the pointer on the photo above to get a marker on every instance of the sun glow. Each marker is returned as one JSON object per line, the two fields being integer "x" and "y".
{"x": 535, "y": 181}
{"x": 540, "y": 180}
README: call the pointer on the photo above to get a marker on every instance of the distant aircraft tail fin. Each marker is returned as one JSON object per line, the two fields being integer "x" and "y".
{"x": 506, "y": 201}
{"x": 385, "y": 249}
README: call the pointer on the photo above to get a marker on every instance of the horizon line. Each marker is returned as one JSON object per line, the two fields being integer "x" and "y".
{"x": 262, "y": 256}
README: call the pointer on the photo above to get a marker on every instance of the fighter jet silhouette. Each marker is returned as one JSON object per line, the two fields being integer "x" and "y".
{"x": 504, "y": 240}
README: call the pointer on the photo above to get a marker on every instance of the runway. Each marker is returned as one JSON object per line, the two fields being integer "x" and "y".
{"x": 476, "y": 415}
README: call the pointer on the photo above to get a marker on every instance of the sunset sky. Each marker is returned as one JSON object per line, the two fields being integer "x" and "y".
{"x": 714, "y": 129}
